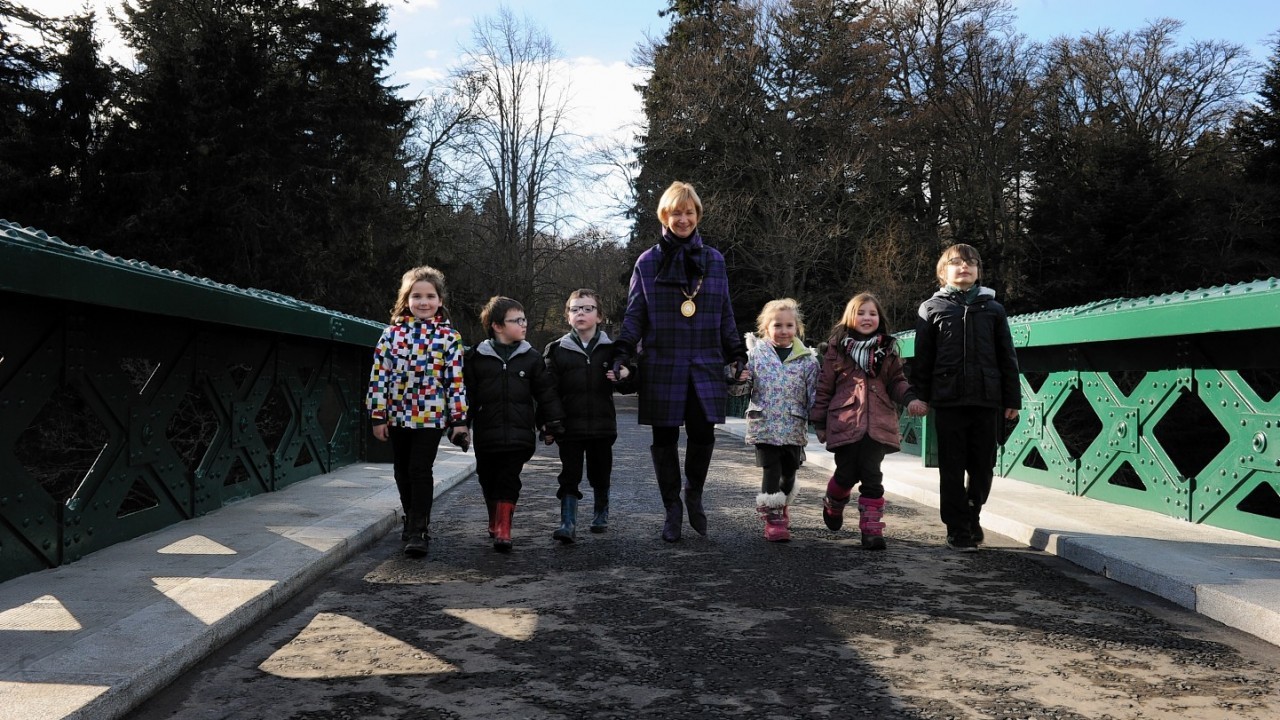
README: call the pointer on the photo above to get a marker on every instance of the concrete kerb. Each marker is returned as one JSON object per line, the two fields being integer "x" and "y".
{"x": 1224, "y": 575}
{"x": 315, "y": 526}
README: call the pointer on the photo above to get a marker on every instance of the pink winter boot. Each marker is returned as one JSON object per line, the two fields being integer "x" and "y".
{"x": 833, "y": 505}
{"x": 870, "y": 512}
{"x": 772, "y": 509}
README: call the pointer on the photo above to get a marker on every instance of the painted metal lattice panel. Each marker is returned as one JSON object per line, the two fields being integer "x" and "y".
{"x": 120, "y": 415}
{"x": 1168, "y": 403}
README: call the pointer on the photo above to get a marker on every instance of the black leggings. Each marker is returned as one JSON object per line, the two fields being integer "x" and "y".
{"x": 413, "y": 452}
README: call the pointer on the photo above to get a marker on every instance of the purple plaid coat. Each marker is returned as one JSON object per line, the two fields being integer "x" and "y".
{"x": 676, "y": 350}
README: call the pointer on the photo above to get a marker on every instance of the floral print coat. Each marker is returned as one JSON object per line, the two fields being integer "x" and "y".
{"x": 782, "y": 393}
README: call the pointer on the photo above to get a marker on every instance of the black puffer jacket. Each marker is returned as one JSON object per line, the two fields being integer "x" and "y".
{"x": 964, "y": 352}
{"x": 585, "y": 393}
{"x": 511, "y": 400}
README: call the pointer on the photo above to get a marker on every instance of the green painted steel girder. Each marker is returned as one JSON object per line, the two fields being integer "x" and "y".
{"x": 1226, "y": 309}
{"x": 116, "y": 421}
{"x": 33, "y": 263}
{"x": 1151, "y": 394}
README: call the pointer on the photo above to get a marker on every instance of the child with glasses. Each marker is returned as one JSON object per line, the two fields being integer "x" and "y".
{"x": 582, "y": 362}
{"x": 512, "y": 396}
{"x": 966, "y": 369}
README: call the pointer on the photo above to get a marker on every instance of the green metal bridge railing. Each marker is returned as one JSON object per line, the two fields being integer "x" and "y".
{"x": 133, "y": 397}
{"x": 1165, "y": 403}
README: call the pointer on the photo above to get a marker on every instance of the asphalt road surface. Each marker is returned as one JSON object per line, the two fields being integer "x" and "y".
{"x": 624, "y": 625}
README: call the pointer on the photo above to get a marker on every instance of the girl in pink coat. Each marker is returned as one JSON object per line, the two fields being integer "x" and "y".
{"x": 854, "y": 413}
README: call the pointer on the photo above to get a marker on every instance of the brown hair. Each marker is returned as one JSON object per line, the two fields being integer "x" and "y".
{"x": 495, "y": 311}
{"x": 968, "y": 253}
{"x": 412, "y": 277}
{"x": 773, "y": 307}
{"x": 585, "y": 293}
{"x": 850, "y": 317}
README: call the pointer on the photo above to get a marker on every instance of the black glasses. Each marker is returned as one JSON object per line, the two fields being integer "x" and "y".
{"x": 958, "y": 261}
{"x": 583, "y": 309}
{"x": 517, "y": 321}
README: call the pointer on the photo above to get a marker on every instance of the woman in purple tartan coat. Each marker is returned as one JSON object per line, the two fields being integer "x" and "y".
{"x": 679, "y": 314}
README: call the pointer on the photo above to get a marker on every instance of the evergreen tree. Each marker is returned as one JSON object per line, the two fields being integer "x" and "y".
{"x": 260, "y": 145}
{"x": 25, "y": 71}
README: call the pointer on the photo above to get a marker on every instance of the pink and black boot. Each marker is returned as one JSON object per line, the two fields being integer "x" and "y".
{"x": 833, "y": 504}
{"x": 773, "y": 510}
{"x": 870, "y": 514}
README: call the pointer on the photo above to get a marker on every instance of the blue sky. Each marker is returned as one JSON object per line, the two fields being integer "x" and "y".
{"x": 598, "y": 39}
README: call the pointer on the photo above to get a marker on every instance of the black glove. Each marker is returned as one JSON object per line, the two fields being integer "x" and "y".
{"x": 551, "y": 431}
{"x": 739, "y": 364}
{"x": 461, "y": 439}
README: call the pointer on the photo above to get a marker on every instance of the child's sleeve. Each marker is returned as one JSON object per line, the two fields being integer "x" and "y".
{"x": 381, "y": 378}
{"x": 455, "y": 383}
{"x": 546, "y": 395}
{"x": 925, "y": 352}
{"x": 811, "y": 383}
{"x": 1007, "y": 357}
{"x": 823, "y": 390}
{"x": 549, "y": 357}
{"x": 896, "y": 383}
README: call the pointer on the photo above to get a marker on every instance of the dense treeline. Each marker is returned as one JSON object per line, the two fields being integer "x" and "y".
{"x": 838, "y": 146}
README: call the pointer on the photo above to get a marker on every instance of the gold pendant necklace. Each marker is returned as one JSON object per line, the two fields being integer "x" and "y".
{"x": 688, "y": 307}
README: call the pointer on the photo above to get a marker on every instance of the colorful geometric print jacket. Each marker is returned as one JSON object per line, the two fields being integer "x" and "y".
{"x": 416, "y": 381}
{"x": 782, "y": 392}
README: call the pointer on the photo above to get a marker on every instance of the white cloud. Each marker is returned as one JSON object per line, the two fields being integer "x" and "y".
{"x": 603, "y": 100}
{"x": 411, "y": 6}
{"x": 428, "y": 75}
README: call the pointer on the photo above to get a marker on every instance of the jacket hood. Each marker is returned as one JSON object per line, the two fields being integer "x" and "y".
{"x": 984, "y": 293}
{"x": 798, "y": 348}
{"x": 486, "y": 348}
{"x": 568, "y": 341}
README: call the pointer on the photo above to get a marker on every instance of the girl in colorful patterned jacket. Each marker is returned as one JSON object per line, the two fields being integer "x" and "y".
{"x": 854, "y": 413}
{"x": 782, "y": 379}
{"x": 416, "y": 393}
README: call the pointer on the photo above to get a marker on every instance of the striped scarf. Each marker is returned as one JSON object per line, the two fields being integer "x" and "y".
{"x": 868, "y": 354}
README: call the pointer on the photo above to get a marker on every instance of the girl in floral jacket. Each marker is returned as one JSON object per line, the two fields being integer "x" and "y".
{"x": 854, "y": 413}
{"x": 782, "y": 380}
{"x": 416, "y": 393}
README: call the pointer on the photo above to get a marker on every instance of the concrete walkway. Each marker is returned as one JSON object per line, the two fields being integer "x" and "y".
{"x": 1222, "y": 574}
{"x": 96, "y": 637}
